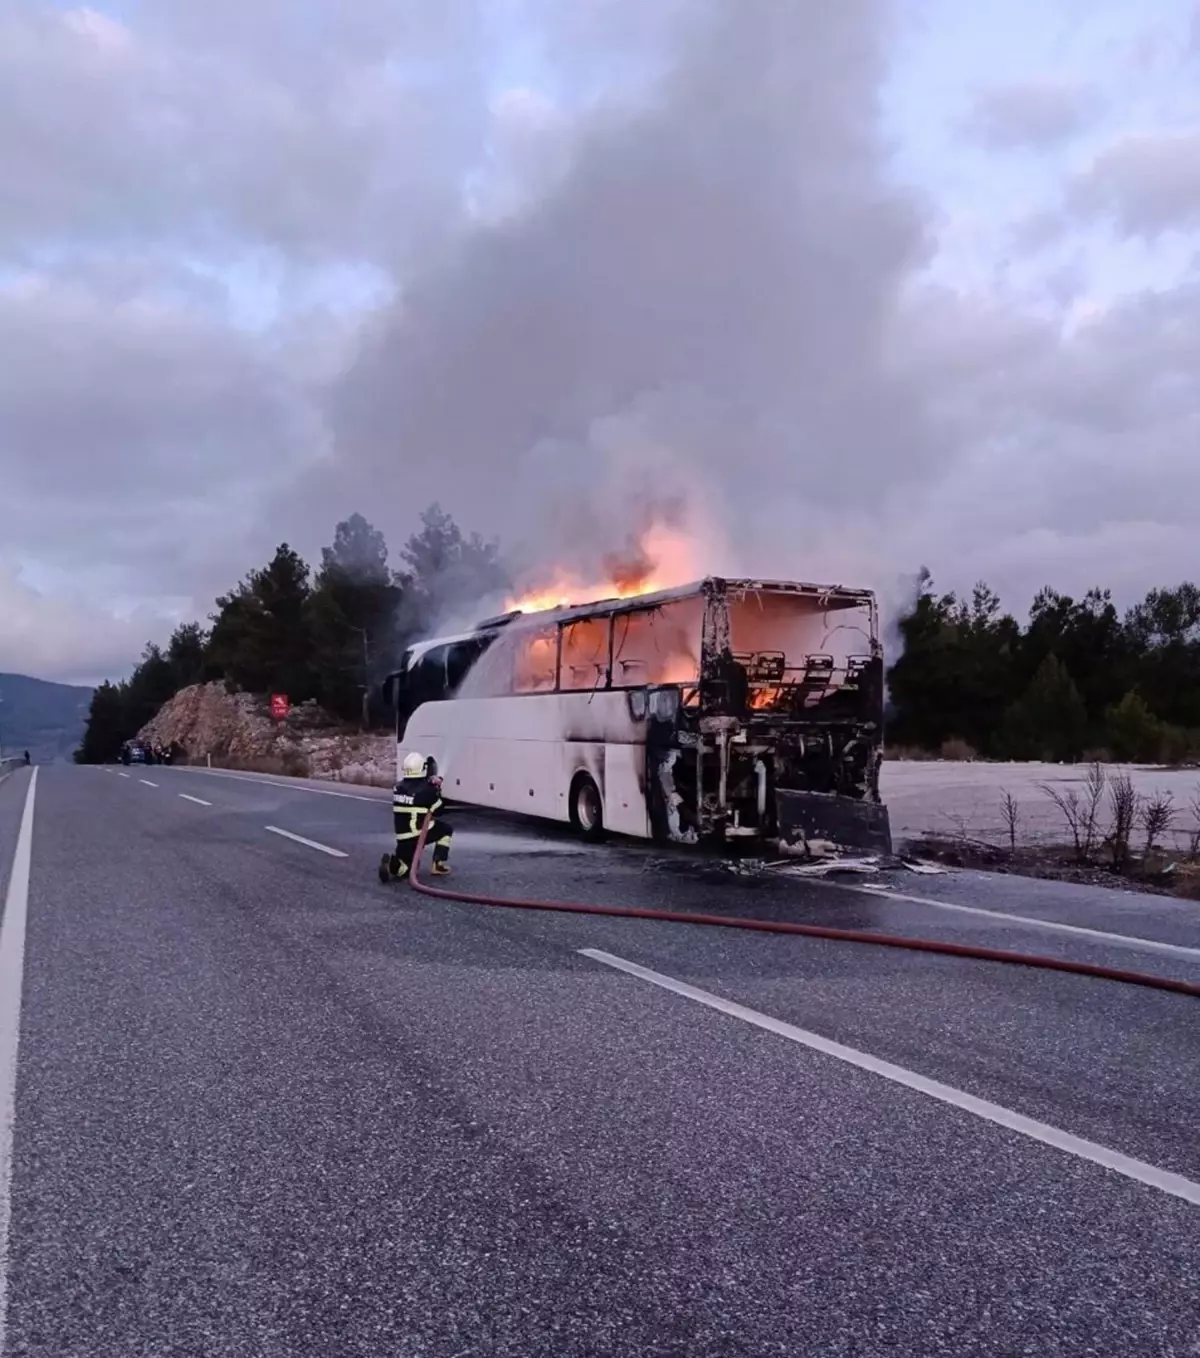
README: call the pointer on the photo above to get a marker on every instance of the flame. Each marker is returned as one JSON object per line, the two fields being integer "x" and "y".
{"x": 660, "y": 559}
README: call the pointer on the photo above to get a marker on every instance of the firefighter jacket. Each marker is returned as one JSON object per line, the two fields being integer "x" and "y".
{"x": 412, "y": 800}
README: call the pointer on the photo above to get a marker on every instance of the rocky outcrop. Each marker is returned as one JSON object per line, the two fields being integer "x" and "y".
{"x": 236, "y": 730}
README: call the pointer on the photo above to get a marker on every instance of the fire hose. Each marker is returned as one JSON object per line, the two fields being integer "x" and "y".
{"x": 763, "y": 926}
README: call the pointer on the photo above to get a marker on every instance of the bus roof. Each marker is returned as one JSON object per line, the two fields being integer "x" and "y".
{"x": 830, "y": 596}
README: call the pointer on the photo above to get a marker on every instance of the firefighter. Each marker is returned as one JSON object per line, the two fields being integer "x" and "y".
{"x": 417, "y": 795}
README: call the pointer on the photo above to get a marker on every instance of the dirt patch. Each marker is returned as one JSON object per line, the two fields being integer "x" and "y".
{"x": 1160, "y": 876}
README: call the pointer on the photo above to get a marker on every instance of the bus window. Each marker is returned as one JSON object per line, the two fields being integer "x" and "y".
{"x": 584, "y": 662}
{"x": 427, "y": 678}
{"x": 535, "y": 667}
{"x": 658, "y": 645}
{"x": 460, "y": 657}
{"x": 764, "y": 624}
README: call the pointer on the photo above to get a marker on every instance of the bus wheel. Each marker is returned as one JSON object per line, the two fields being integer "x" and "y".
{"x": 587, "y": 810}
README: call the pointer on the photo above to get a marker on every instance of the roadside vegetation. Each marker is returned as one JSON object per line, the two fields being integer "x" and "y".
{"x": 325, "y": 637}
{"x": 1078, "y": 683}
{"x": 1109, "y": 835}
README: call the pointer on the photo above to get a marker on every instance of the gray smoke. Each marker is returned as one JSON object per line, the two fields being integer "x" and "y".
{"x": 683, "y": 312}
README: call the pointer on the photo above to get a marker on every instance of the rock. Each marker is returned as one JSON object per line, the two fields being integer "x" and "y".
{"x": 237, "y": 731}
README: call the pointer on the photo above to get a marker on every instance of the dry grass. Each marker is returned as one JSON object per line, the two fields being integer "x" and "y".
{"x": 958, "y": 750}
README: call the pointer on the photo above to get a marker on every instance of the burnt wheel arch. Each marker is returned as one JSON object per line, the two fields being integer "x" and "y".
{"x": 586, "y": 807}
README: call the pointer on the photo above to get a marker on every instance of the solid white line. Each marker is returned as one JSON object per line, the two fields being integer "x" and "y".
{"x": 1144, "y": 1173}
{"x": 147, "y": 782}
{"x": 198, "y": 800}
{"x": 312, "y": 843}
{"x": 1134, "y": 941}
{"x": 384, "y": 794}
{"x": 12, "y": 974}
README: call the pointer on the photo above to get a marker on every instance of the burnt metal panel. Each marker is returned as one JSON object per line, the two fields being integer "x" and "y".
{"x": 822, "y": 824}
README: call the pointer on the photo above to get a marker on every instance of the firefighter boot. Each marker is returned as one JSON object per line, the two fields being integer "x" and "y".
{"x": 441, "y": 868}
{"x": 385, "y": 869}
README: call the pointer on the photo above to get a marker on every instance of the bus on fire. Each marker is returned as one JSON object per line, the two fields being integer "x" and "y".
{"x": 718, "y": 711}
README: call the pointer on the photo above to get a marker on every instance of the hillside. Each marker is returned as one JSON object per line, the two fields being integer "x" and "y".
{"x": 44, "y": 718}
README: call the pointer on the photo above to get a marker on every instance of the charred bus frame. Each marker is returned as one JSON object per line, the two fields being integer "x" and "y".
{"x": 756, "y": 744}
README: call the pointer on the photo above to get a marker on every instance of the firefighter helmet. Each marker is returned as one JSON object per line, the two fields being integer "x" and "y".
{"x": 414, "y": 765}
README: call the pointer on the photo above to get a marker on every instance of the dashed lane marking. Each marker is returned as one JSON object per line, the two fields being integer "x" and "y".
{"x": 311, "y": 843}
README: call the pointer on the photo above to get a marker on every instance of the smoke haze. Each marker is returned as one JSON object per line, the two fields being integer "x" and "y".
{"x": 688, "y": 324}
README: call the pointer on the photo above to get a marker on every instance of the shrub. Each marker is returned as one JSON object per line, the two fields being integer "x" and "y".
{"x": 1134, "y": 734}
{"x": 958, "y": 750}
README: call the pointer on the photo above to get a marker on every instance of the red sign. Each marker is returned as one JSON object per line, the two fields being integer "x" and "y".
{"x": 280, "y": 706}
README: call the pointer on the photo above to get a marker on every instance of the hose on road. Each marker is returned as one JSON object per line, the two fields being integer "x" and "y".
{"x": 763, "y": 926}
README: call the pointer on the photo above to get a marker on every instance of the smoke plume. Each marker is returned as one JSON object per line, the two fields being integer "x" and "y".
{"x": 681, "y": 312}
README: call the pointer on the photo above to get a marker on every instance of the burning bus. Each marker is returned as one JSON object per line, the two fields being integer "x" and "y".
{"x": 719, "y": 711}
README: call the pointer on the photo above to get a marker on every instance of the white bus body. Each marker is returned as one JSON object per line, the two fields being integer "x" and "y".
{"x": 727, "y": 709}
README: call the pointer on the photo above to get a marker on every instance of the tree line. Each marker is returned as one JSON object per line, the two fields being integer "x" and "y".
{"x": 1079, "y": 680}
{"x": 329, "y": 634}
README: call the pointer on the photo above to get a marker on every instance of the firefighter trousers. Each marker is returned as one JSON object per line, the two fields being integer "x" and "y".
{"x": 441, "y": 832}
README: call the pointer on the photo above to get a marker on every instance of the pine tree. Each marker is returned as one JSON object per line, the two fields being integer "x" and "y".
{"x": 1050, "y": 719}
{"x": 107, "y": 727}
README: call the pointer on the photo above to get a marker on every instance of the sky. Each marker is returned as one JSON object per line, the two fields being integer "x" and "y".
{"x": 835, "y": 291}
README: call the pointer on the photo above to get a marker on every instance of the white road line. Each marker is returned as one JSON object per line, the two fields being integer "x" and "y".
{"x": 384, "y": 794}
{"x": 198, "y": 800}
{"x": 12, "y": 974}
{"x": 1134, "y": 941}
{"x": 312, "y": 843}
{"x": 122, "y": 775}
{"x": 1151, "y": 1175}
{"x": 147, "y": 782}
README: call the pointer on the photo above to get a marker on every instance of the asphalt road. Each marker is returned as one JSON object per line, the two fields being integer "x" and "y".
{"x": 265, "y": 1106}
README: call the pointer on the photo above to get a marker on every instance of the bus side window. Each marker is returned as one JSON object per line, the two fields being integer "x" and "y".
{"x": 584, "y": 663}
{"x": 459, "y": 658}
{"x": 658, "y": 645}
{"x": 536, "y": 661}
{"x": 427, "y": 678}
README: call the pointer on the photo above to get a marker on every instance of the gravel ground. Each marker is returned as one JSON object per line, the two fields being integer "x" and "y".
{"x": 947, "y": 797}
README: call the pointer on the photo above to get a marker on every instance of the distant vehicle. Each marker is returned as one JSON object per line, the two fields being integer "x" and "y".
{"x": 134, "y": 752}
{"x": 719, "y": 711}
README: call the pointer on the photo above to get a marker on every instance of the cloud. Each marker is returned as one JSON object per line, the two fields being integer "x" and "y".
{"x": 66, "y": 638}
{"x": 219, "y": 126}
{"x": 1147, "y": 183}
{"x": 140, "y": 427}
{"x": 560, "y": 267}
{"x": 1030, "y": 114}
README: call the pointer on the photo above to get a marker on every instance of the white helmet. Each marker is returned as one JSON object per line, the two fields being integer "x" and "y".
{"x": 414, "y": 765}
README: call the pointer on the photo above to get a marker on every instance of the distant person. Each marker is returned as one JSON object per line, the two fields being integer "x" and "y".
{"x": 417, "y": 795}
{"x": 27, "y": 759}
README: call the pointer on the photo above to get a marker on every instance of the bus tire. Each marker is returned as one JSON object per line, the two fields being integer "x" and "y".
{"x": 587, "y": 808}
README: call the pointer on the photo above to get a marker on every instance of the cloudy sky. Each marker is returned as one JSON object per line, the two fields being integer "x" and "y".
{"x": 840, "y": 289}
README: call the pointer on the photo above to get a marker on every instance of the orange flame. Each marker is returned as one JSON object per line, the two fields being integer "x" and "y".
{"x": 662, "y": 558}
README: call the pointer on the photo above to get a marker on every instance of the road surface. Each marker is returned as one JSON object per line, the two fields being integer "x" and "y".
{"x": 265, "y": 1106}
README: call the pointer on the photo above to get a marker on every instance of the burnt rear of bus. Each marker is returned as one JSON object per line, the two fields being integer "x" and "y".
{"x": 781, "y": 738}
